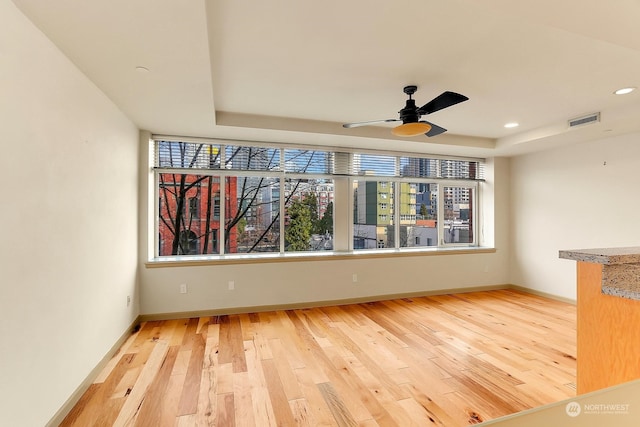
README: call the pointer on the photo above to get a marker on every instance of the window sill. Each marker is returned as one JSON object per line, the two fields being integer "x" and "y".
{"x": 189, "y": 261}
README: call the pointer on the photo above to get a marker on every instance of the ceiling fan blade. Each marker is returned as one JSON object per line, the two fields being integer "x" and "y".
{"x": 435, "y": 129}
{"x": 444, "y": 100}
{"x": 372, "y": 122}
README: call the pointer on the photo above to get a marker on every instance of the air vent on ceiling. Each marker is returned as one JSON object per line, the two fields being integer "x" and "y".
{"x": 586, "y": 120}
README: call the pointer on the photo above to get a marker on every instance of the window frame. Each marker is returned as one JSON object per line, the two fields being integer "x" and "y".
{"x": 474, "y": 187}
{"x": 280, "y": 172}
{"x": 394, "y": 188}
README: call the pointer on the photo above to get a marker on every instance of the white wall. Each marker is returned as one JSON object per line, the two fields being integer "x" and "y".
{"x": 68, "y": 254}
{"x": 300, "y": 282}
{"x": 568, "y": 198}
{"x": 267, "y": 284}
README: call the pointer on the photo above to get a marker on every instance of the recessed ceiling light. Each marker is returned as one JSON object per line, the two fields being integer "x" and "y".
{"x": 511, "y": 125}
{"x": 624, "y": 90}
{"x": 141, "y": 69}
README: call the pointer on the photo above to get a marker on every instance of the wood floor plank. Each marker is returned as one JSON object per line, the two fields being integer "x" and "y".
{"x": 302, "y": 414}
{"x": 442, "y": 360}
{"x": 126, "y": 383}
{"x": 317, "y": 405}
{"x": 262, "y": 408}
{"x": 231, "y": 347}
{"x": 130, "y": 409}
{"x": 372, "y": 400}
{"x": 106, "y": 371}
{"x": 181, "y": 365}
{"x": 80, "y": 408}
{"x": 243, "y": 400}
{"x": 150, "y": 412}
{"x": 279, "y": 401}
{"x": 93, "y": 401}
{"x": 367, "y": 366}
{"x": 338, "y": 378}
{"x": 178, "y": 333}
{"x": 171, "y": 399}
{"x": 439, "y": 413}
{"x": 208, "y": 399}
{"x": 467, "y": 404}
{"x": 340, "y": 412}
{"x": 226, "y": 411}
{"x": 212, "y": 346}
{"x": 189, "y": 399}
{"x": 285, "y": 370}
{"x": 224, "y": 376}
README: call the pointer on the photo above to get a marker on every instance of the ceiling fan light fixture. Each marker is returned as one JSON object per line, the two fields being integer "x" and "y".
{"x": 411, "y": 129}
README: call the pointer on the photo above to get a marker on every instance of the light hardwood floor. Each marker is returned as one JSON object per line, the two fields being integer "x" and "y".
{"x": 449, "y": 360}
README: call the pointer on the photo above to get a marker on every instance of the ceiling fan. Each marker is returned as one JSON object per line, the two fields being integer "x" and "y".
{"x": 410, "y": 114}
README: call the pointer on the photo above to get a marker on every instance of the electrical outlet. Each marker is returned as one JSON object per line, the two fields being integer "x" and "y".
{"x": 183, "y": 288}
{"x": 232, "y": 285}
{"x": 354, "y": 278}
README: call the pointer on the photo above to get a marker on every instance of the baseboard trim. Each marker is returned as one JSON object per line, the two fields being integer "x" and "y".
{"x": 64, "y": 410}
{"x": 312, "y": 304}
{"x": 542, "y": 294}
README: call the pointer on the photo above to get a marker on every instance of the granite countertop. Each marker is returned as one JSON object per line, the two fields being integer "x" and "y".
{"x": 607, "y": 256}
{"x": 620, "y": 271}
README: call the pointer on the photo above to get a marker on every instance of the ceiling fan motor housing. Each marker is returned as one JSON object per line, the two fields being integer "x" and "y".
{"x": 409, "y": 114}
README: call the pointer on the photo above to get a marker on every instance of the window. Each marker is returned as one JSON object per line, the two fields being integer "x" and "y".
{"x": 216, "y": 207}
{"x": 183, "y": 227}
{"x": 418, "y": 227}
{"x": 221, "y": 197}
{"x": 373, "y": 225}
{"x": 309, "y": 217}
{"x": 252, "y": 213}
{"x": 458, "y": 215}
{"x": 209, "y": 194}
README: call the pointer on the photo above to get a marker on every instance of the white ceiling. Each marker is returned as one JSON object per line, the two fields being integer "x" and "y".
{"x": 295, "y": 70}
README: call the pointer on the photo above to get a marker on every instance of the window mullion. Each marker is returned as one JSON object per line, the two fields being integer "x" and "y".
{"x": 440, "y": 219}
{"x": 281, "y": 214}
{"x": 396, "y": 213}
{"x": 281, "y": 205}
{"x": 223, "y": 215}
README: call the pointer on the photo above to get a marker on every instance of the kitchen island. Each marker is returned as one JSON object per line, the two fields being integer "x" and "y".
{"x": 608, "y": 324}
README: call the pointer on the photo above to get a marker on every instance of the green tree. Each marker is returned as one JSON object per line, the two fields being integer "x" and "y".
{"x": 242, "y": 225}
{"x": 298, "y": 231}
{"x": 423, "y": 211}
{"x": 325, "y": 224}
{"x": 311, "y": 202}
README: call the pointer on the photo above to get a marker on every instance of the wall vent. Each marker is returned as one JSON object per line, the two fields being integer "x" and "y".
{"x": 585, "y": 120}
